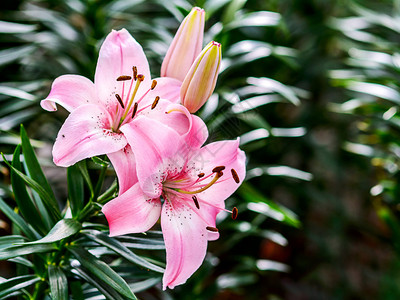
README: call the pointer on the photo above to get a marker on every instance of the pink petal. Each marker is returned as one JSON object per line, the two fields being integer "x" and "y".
{"x": 86, "y": 133}
{"x": 166, "y": 88}
{"x": 185, "y": 46}
{"x": 70, "y": 91}
{"x": 177, "y": 117}
{"x": 185, "y": 237}
{"x": 118, "y": 54}
{"x": 131, "y": 212}
{"x": 153, "y": 144}
{"x": 124, "y": 164}
{"x": 223, "y": 153}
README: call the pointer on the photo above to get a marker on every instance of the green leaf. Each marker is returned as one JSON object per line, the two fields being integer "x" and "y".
{"x": 260, "y": 204}
{"x": 24, "y": 249}
{"x": 120, "y": 249}
{"x": 63, "y": 229}
{"x": 58, "y": 283}
{"x": 40, "y": 190}
{"x": 105, "y": 289}
{"x": 36, "y": 173}
{"x": 24, "y": 201}
{"x": 6, "y": 241}
{"x": 10, "y": 27}
{"x": 75, "y": 189}
{"x": 102, "y": 271}
{"x": 144, "y": 285}
{"x": 17, "y": 283}
{"x": 9, "y": 55}
{"x": 18, "y": 220}
{"x": 22, "y": 261}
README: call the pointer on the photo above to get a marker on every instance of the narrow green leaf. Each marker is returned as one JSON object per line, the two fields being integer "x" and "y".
{"x": 24, "y": 201}
{"x": 102, "y": 271}
{"x": 260, "y": 204}
{"x": 120, "y": 249}
{"x": 35, "y": 171}
{"x": 76, "y": 290}
{"x": 17, "y": 283}
{"x": 144, "y": 284}
{"x": 24, "y": 249}
{"x": 63, "y": 229}
{"x": 11, "y": 27}
{"x": 58, "y": 283}
{"x": 6, "y": 241}
{"x": 75, "y": 189}
{"x": 22, "y": 261}
{"x": 17, "y": 220}
{"x": 105, "y": 289}
{"x": 40, "y": 190}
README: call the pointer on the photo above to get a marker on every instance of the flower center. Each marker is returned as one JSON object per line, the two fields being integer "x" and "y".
{"x": 128, "y": 107}
{"x": 187, "y": 188}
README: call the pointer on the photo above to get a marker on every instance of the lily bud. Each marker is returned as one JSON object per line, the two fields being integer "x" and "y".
{"x": 200, "y": 81}
{"x": 185, "y": 46}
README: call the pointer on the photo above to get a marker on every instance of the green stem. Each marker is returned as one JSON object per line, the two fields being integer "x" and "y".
{"x": 102, "y": 199}
{"x": 99, "y": 182}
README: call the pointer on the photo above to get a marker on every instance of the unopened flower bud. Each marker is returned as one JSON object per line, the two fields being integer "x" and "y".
{"x": 200, "y": 81}
{"x": 185, "y": 46}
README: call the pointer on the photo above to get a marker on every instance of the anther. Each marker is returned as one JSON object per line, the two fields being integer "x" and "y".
{"x": 212, "y": 229}
{"x": 220, "y": 173}
{"x": 135, "y": 106}
{"x": 120, "y": 100}
{"x": 201, "y": 175}
{"x": 153, "y": 84}
{"x": 218, "y": 169}
{"x": 153, "y": 106}
{"x": 234, "y": 213}
{"x": 124, "y": 77}
{"x": 134, "y": 69}
{"x": 235, "y": 176}
{"x": 140, "y": 77}
{"x": 196, "y": 202}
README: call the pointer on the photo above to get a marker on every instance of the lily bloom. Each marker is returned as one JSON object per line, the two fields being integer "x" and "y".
{"x": 185, "y": 46}
{"x": 184, "y": 185}
{"x": 121, "y": 92}
{"x": 200, "y": 81}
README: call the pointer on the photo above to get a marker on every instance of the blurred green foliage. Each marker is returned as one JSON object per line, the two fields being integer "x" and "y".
{"x": 310, "y": 87}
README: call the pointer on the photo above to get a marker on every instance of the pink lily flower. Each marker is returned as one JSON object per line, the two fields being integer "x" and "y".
{"x": 185, "y": 46}
{"x": 122, "y": 91}
{"x": 184, "y": 185}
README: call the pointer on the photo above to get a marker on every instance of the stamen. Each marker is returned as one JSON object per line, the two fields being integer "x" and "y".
{"x": 196, "y": 202}
{"x": 220, "y": 173}
{"x": 140, "y": 78}
{"x": 235, "y": 176}
{"x": 234, "y": 213}
{"x": 134, "y": 69}
{"x": 135, "y": 106}
{"x": 217, "y": 176}
{"x": 201, "y": 175}
{"x": 120, "y": 100}
{"x": 212, "y": 229}
{"x": 218, "y": 169}
{"x": 153, "y": 84}
{"x": 153, "y": 106}
{"x": 124, "y": 77}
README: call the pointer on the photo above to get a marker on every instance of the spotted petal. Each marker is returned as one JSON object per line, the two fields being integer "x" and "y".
{"x": 132, "y": 212}
{"x": 185, "y": 238}
{"x": 86, "y": 133}
{"x": 223, "y": 153}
